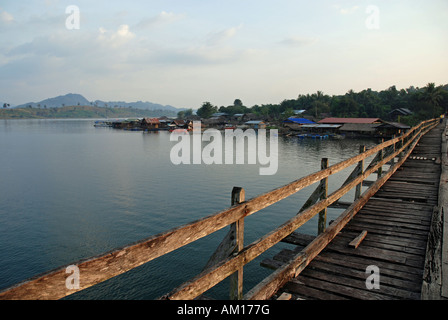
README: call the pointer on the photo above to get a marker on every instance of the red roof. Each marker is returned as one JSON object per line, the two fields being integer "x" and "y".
{"x": 350, "y": 120}
{"x": 152, "y": 121}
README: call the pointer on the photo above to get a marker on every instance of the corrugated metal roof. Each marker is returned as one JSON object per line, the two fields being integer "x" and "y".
{"x": 299, "y": 121}
{"x": 394, "y": 125}
{"x": 349, "y": 120}
{"x": 403, "y": 111}
{"x": 152, "y": 120}
{"x": 322, "y": 126}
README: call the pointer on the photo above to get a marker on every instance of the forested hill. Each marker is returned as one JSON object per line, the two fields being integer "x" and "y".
{"x": 80, "y": 112}
{"x": 425, "y": 103}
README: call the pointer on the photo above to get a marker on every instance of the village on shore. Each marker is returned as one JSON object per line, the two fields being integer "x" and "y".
{"x": 302, "y": 127}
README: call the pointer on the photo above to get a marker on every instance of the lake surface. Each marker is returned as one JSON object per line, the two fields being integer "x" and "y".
{"x": 70, "y": 191}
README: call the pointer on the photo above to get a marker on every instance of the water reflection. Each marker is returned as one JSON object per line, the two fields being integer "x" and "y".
{"x": 71, "y": 191}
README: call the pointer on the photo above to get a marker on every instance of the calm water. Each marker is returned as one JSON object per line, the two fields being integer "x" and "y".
{"x": 69, "y": 191}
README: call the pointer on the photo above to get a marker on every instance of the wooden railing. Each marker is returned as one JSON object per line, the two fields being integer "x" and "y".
{"x": 231, "y": 256}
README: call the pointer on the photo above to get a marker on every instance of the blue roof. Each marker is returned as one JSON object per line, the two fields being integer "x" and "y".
{"x": 299, "y": 121}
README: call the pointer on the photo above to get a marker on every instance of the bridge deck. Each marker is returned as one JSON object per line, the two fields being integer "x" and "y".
{"x": 397, "y": 220}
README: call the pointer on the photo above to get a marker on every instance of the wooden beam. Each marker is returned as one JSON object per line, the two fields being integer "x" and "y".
{"x": 285, "y": 296}
{"x": 357, "y": 241}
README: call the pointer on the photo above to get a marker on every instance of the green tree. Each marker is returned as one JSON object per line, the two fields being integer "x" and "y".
{"x": 206, "y": 110}
{"x": 433, "y": 96}
{"x": 181, "y": 114}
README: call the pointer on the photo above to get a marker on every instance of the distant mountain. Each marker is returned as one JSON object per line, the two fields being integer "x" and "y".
{"x": 58, "y": 102}
{"x": 72, "y": 99}
{"x": 136, "y": 105}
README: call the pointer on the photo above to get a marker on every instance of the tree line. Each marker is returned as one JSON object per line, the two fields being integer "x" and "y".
{"x": 425, "y": 103}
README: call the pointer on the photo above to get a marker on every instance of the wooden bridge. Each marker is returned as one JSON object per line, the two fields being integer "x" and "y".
{"x": 393, "y": 229}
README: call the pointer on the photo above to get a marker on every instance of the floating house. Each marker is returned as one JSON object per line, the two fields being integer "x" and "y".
{"x": 128, "y": 124}
{"x": 351, "y": 120}
{"x": 366, "y": 126}
{"x": 395, "y": 114}
{"x": 355, "y": 126}
{"x": 297, "y": 123}
{"x": 256, "y": 124}
{"x": 151, "y": 124}
{"x": 389, "y": 129}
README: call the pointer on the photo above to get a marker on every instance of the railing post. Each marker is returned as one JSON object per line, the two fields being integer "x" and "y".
{"x": 322, "y": 224}
{"x": 401, "y": 144}
{"x": 381, "y": 156}
{"x": 362, "y": 149}
{"x": 237, "y": 229}
{"x": 392, "y": 161}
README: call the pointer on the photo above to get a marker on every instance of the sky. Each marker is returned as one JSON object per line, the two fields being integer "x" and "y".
{"x": 186, "y": 52}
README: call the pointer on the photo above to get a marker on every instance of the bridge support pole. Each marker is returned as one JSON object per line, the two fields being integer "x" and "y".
{"x": 362, "y": 149}
{"x": 381, "y": 157}
{"x": 237, "y": 229}
{"x": 322, "y": 224}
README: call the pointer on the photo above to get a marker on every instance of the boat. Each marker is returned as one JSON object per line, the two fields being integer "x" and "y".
{"x": 179, "y": 131}
{"x": 102, "y": 123}
{"x": 313, "y": 136}
{"x": 337, "y": 136}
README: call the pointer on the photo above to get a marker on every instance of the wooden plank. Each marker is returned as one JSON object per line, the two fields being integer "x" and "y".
{"x": 285, "y": 296}
{"x": 376, "y": 253}
{"x": 389, "y": 269}
{"x": 340, "y": 267}
{"x": 404, "y": 284}
{"x": 334, "y": 288}
{"x": 433, "y": 277}
{"x": 393, "y": 213}
{"x": 312, "y": 293}
{"x": 387, "y": 230}
{"x": 387, "y": 240}
{"x": 357, "y": 241}
{"x": 375, "y": 215}
{"x": 358, "y": 286}
{"x": 383, "y": 222}
{"x": 299, "y": 239}
{"x": 392, "y": 245}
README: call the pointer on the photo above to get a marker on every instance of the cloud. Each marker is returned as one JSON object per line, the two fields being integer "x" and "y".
{"x": 346, "y": 11}
{"x": 220, "y": 36}
{"x": 118, "y": 38}
{"x": 5, "y": 17}
{"x": 297, "y": 41}
{"x": 160, "y": 19}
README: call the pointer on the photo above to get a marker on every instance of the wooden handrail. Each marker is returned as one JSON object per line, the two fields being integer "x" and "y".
{"x": 52, "y": 285}
{"x": 272, "y": 283}
{"x": 213, "y": 276}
